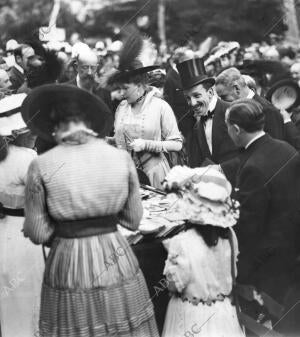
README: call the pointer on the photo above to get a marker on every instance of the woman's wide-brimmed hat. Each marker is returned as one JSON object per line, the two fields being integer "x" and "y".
{"x": 10, "y": 115}
{"x": 192, "y": 72}
{"x": 36, "y": 109}
{"x": 284, "y": 94}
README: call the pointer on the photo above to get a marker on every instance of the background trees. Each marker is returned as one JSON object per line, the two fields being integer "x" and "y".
{"x": 241, "y": 20}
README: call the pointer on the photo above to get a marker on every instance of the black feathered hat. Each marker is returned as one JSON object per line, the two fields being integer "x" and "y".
{"x": 130, "y": 60}
{"x": 46, "y": 67}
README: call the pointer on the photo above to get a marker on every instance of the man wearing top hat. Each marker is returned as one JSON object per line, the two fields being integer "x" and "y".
{"x": 208, "y": 140}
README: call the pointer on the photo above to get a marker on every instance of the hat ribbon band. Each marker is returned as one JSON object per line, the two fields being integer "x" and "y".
{"x": 10, "y": 112}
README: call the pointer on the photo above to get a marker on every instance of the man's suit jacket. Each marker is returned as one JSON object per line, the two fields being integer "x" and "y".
{"x": 273, "y": 120}
{"x": 173, "y": 94}
{"x": 267, "y": 188}
{"x": 102, "y": 93}
{"x": 223, "y": 147}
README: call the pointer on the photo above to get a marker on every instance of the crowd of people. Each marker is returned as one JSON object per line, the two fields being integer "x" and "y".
{"x": 81, "y": 128}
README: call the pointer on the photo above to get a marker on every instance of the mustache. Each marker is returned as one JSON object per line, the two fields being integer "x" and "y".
{"x": 198, "y": 106}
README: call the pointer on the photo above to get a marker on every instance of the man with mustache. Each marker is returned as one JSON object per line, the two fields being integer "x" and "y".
{"x": 208, "y": 141}
{"x": 86, "y": 66}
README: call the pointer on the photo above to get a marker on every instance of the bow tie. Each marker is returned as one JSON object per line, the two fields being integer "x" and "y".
{"x": 205, "y": 118}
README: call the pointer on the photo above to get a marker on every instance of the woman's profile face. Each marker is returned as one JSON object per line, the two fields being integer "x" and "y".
{"x": 131, "y": 92}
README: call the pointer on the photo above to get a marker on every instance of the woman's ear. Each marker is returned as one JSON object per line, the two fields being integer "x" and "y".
{"x": 237, "y": 129}
{"x": 237, "y": 89}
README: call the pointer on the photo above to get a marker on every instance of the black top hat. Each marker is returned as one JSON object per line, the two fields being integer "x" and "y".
{"x": 36, "y": 109}
{"x": 284, "y": 94}
{"x": 192, "y": 72}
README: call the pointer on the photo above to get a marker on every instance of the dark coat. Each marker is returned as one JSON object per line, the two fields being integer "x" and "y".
{"x": 267, "y": 187}
{"x": 223, "y": 147}
{"x": 173, "y": 94}
{"x": 102, "y": 93}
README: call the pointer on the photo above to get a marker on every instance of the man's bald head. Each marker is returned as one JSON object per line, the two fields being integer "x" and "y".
{"x": 87, "y": 56}
{"x": 231, "y": 85}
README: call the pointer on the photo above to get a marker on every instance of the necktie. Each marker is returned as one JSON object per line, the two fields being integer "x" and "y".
{"x": 205, "y": 118}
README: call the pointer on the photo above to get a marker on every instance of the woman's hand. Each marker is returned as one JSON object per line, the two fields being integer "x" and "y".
{"x": 138, "y": 145}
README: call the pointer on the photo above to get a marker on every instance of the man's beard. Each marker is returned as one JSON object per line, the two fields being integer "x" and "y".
{"x": 87, "y": 82}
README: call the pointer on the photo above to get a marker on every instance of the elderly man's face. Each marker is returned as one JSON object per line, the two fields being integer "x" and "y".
{"x": 227, "y": 93}
{"x": 87, "y": 67}
{"x": 198, "y": 99}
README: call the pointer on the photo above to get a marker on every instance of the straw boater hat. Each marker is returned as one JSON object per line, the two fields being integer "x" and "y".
{"x": 11, "y": 120}
{"x": 132, "y": 60}
{"x": 35, "y": 109}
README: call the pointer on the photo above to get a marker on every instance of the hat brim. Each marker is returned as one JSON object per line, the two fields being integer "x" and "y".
{"x": 281, "y": 84}
{"x": 41, "y": 123}
{"x": 196, "y": 81}
{"x": 123, "y": 76}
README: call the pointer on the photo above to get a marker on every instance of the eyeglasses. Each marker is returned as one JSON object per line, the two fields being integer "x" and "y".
{"x": 87, "y": 67}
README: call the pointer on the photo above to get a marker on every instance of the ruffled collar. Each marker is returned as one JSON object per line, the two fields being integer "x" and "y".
{"x": 77, "y": 137}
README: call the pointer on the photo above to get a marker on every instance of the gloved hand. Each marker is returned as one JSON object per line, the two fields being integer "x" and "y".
{"x": 138, "y": 145}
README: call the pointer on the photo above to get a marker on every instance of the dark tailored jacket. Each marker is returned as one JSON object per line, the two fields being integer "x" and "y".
{"x": 275, "y": 127}
{"x": 99, "y": 92}
{"x": 173, "y": 94}
{"x": 267, "y": 187}
{"x": 16, "y": 78}
{"x": 223, "y": 147}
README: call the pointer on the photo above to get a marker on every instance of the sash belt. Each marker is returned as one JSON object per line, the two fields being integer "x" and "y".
{"x": 10, "y": 211}
{"x": 86, "y": 227}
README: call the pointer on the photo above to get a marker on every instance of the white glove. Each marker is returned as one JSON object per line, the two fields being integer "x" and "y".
{"x": 138, "y": 145}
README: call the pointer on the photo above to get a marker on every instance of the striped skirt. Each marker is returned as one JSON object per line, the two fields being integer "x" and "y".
{"x": 94, "y": 287}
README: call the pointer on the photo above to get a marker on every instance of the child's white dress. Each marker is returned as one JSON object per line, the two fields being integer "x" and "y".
{"x": 200, "y": 279}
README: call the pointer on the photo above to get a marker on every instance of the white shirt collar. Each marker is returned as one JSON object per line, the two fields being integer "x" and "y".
{"x": 213, "y": 103}
{"x": 251, "y": 94}
{"x": 78, "y": 82}
{"x": 262, "y": 133}
{"x": 21, "y": 70}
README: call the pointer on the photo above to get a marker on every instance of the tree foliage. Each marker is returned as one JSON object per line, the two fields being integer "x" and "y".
{"x": 241, "y": 20}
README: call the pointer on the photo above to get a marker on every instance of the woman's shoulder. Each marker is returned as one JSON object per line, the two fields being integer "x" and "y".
{"x": 22, "y": 154}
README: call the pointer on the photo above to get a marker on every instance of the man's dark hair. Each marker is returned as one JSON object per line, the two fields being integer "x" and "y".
{"x": 247, "y": 114}
{"x": 18, "y": 51}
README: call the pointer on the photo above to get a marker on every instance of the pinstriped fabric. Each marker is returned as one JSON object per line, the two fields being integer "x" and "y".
{"x": 92, "y": 286}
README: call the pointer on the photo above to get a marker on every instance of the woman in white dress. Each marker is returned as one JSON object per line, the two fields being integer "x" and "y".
{"x": 145, "y": 124}
{"x": 201, "y": 263}
{"x": 21, "y": 263}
